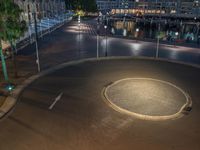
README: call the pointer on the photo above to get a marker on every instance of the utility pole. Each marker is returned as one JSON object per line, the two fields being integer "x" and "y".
{"x": 36, "y": 41}
{"x": 98, "y": 29}
{"x": 106, "y": 52}
{"x": 79, "y": 35}
{"x": 158, "y": 36}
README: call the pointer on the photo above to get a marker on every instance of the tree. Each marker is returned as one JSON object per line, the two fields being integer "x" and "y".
{"x": 90, "y": 5}
{"x": 85, "y": 5}
{"x": 12, "y": 28}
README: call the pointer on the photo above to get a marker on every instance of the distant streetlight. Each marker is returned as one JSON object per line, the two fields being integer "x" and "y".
{"x": 36, "y": 41}
{"x": 79, "y": 19}
{"x": 159, "y": 29}
{"x": 98, "y": 28}
{"x": 106, "y": 52}
{"x": 176, "y": 34}
{"x": 79, "y": 34}
{"x": 137, "y": 31}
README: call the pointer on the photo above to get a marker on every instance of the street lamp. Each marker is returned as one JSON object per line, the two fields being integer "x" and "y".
{"x": 98, "y": 28}
{"x": 137, "y": 32}
{"x": 36, "y": 40}
{"x": 176, "y": 34}
{"x": 159, "y": 28}
{"x": 79, "y": 33}
{"x": 106, "y": 52}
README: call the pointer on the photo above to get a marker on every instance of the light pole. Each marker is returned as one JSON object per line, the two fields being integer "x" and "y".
{"x": 36, "y": 41}
{"x": 137, "y": 32}
{"x": 98, "y": 28}
{"x": 106, "y": 52}
{"x": 176, "y": 34}
{"x": 79, "y": 35}
{"x": 158, "y": 41}
{"x": 158, "y": 36}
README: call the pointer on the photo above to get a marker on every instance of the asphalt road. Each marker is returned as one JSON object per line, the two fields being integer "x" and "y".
{"x": 82, "y": 120}
{"x": 71, "y": 42}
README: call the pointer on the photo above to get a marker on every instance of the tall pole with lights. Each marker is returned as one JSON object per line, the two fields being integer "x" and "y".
{"x": 79, "y": 34}
{"x": 36, "y": 38}
{"x": 158, "y": 36}
{"x": 176, "y": 34}
{"x": 98, "y": 30}
{"x": 137, "y": 32}
{"x": 106, "y": 51}
{"x": 106, "y": 37}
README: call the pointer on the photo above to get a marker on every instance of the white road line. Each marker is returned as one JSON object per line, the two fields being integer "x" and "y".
{"x": 56, "y": 100}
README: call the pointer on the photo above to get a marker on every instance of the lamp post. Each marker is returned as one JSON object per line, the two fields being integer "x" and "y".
{"x": 176, "y": 34}
{"x": 106, "y": 52}
{"x": 79, "y": 34}
{"x": 137, "y": 32}
{"x": 36, "y": 41}
{"x": 158, "y": 41}
{"x": 158, "y": 36}
{"x": 98, "y": 28}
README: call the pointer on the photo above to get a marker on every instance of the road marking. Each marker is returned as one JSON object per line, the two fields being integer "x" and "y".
{"x": 56, "y": 100}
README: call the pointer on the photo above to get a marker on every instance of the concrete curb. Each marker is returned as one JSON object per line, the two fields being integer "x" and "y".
{"x": 11, "y": 100}
{"x": 182, "y": 111}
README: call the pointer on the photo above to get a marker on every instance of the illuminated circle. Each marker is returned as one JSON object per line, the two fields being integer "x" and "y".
{"x": 148, "y": 99}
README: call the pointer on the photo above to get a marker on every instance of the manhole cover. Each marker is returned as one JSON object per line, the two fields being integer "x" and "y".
{"x": 148, "y": 99}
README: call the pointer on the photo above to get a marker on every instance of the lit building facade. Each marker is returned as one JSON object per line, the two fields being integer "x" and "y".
{"x": 107, "y": 5}
{"x": 168, "y": 7}
{"x": 42, "y": 8}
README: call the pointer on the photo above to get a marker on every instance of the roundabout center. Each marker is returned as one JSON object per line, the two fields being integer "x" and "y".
{"x": 148, "y": 99}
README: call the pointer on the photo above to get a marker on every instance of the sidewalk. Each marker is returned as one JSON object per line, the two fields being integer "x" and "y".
{"x": 103, "y": 32}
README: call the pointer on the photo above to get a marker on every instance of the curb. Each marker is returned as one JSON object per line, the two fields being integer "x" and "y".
{"x": 11, "y": 100}
{"x": 182, "y": 111}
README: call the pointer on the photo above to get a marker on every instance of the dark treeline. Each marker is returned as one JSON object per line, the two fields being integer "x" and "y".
{"x": 85, "y": 5}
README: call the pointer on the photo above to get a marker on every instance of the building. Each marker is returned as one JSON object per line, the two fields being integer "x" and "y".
{"x": 42, "y": 8}
{"x": 107, "y": 5}
{"x": 190, "y": 8}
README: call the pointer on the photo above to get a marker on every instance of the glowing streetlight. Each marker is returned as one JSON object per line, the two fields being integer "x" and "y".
{"x": 79, "y": 19}
{"x": 137, "y": 30}
{"x": 105, "y": 27}
{"x": 106, "y": 52}
{"x": 79, "y": 33}
{"x": 176, "y": 33}
{"x": 98, "y": 28}
{"x": 159, "y": 29}
{"x": 36, "y": 41}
